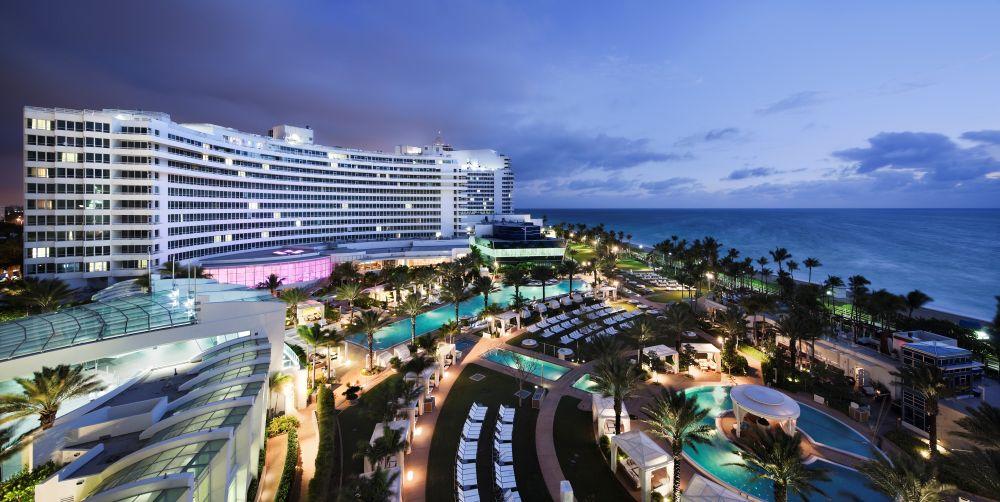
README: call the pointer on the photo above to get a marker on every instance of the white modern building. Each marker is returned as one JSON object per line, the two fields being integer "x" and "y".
{"x": 113, "y": 193}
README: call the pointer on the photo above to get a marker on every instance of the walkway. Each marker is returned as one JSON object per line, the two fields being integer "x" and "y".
{"x": 274, "y": 463}
{"x": 308, "y": 447}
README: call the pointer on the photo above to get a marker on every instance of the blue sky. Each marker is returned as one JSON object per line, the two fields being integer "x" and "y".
{"x": 646, "y": 104}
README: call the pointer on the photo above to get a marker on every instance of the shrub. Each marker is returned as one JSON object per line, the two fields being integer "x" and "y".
{"x": 282, "y": 425}
{"x": 605, "y": 444}
{"x": 299, "y": 351}
{"x": 656, "y": 497}
{"x": 352, "y": 392}
{"x": 319, "y": 487}
{"x": 288, "y": 471}
{"x": 21, "y": 486}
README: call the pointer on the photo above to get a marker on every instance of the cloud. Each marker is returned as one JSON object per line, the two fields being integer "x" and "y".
{"x": 927, "y": 155}
{"x": 803, "y": 99}
{"x": 712, "y": 135}
{"x": 751, "y": 172}
{"x": 988, "y": 137}
{"x": 669, "y": 185}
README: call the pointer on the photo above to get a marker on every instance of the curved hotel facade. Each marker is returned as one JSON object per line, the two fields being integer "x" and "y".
{"x": 113, "y": 193}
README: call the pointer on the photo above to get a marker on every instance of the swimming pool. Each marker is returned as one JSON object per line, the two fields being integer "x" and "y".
{"x": 537, "y": 367}
{"x": 399, "y": 331}
{"x": 585, "y": 384}
{"x": 844, "y": 483}
{"x": 464, "y": 344}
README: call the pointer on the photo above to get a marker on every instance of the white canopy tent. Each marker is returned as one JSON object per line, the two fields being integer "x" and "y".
{"x": 406, "y": 431}
{"x": 606, "y": 292}
{"x": 504, "y": 321}
{"x": 603, "y": 412}
{"x": 553, "y": 304}
{"x": 663, "y": 352}
{"x": 644, "y": 458}
{"x": 766, "y": 403}
{"x": 700, "y": 489}
{"x": 444, "y": 351}
{"x": 711, "y": 353}
{"x": 402, "y": 352}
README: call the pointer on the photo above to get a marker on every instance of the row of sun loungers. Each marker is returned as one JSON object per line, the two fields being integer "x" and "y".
{"x": 503, "y": 456}
{"x": 466, "y": 480}
{"x": 620, "y": 319}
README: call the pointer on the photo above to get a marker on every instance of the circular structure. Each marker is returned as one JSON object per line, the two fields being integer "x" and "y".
{"x": 765, "y": 396}
{"x": 766, "y": 403}
{"x": 529, "y": 343}
{"x": 564, "y": 352}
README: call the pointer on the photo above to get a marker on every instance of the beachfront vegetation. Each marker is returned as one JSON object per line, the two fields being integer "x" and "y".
{"x": 45, "y": 392}
{"x": 777, "y": 457}
{"x": 679, "y": 420}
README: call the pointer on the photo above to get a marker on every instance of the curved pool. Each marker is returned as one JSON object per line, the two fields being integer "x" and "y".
{"x": 844, "y": 483}
{"x": 399, "y": 331}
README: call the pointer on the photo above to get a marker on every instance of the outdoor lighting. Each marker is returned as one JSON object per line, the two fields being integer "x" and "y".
{"x": 829, "y": 292}
{"x": 417, "y": 431}
{"x": 709, "y": 275}
{"x": 614, "y": 249}
{"x": 409, "y": 475}
{"x": 982, "y": 335}
{"x": 720, "y": 339}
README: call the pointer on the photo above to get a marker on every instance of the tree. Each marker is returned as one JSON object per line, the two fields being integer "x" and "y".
{"x": 277, "y": 383}
{"x": 915, "y": 300}
{"x": 411, "y": 307}
{"x": 397, "y": 278}
{"x": 679, "y": 420}
{"x": 602, "y": 347}
{"x": 678, "y": 318}
{"x": 858, "y": 286}
{"x": 569, "y": 268}
{"x": 376, "y": 487}
{"x": 515, "y": 276}
{"x": 344, "y": 272}
{"x": 293, "y": 297}
{"x": 45, "y": 392}
{"x": 348, "y": 292}
{"x": 453, "y": 291}
{"x": 368, "y": 323}
{"x": 543, "y": 274}
{"x": 903, "y": 480}
{"x": 777, "y": 457}
{"x": 312, "y": 335}
{"x": 40, "y": 295}
{"x": 331, "y": 338}
{"x": 642, "y": 331}
{"x": 379, "y": 452}
{"x": 272, "y": 283}
{"x": 617, "y": 378}
{"x": 928, "y": 381}
{"x": 810, "y": 264}
{"x": 483, "y": 285}
{"x": 792, "y": 266}
{"x": 779, "y": 255}
{"x": 981, "y": 426}
{"x": 979, "y": 466}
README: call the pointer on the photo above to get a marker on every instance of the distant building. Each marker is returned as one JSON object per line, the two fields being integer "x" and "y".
{"x": 962, "y": 374}
{"x": 13, "y": 214}
{"x": 190, "y": 431}
{"x": 508, "y": 239}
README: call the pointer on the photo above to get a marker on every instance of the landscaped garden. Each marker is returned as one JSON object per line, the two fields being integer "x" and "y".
{"x": 492, "y": 391}
{"x": 580, "y": 458}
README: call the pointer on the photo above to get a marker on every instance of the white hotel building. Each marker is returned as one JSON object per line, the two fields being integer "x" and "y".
{"x": 113, "y": 193}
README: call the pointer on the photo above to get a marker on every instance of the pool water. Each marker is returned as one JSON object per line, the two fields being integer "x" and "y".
{"x": 537, "y": 367}
{"x": 464, "y": 344}
{"x": 844, "y": 483}
{"x": 399, "y": 331}
{"x": 585, "y": 384}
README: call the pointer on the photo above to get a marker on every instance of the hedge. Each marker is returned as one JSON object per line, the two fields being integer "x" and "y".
{"x": 280, "y": 425}
{"x": 21, "y": 486}
{"x": 319, "y": 486}
{"x": 288, "y": 471}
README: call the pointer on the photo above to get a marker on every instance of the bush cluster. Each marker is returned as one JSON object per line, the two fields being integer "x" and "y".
{"x": 319, "y": 487}
{"x": 281, "y": 425}
{"x": 21, "y": 486}
{"x": 288, "y": 471}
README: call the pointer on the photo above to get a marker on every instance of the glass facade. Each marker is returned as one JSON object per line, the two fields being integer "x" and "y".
{"x": 291, "y": 272}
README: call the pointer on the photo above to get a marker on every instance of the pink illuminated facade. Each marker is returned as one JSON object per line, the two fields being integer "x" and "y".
{"x": 294, "y": 272}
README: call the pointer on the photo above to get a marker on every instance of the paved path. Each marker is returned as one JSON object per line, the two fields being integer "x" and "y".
{"x": 274, "y": 463}
{"x": 308, "y": 446}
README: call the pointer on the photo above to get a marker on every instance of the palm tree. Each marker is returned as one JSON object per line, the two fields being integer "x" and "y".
{"x": 45, "y": 392}
{"x": 602, "y": 347}
{"x": 376, "y": 487}
{"x": 331, "y": 338}
{"x": 312, "y": 334}
{"x": 678, "y": 318}
{"x": 569, "y": 268}
{"x": 679, "y": 420}
{"x": 272, "y": 283}
{"x": 40, "y": 295}
{"x": 293, "y": 297}
{"x": 928, "y": 381}
{"x": 368, "y": 323}
{"x": 642, "y": 331}
{"x": 451, "y": 329}
{"x": 543, "y": 273}
{"x": 453, "y": 291}
{"x": 982, "y": 426}
{"x": 344, "y": 272}
{"x": 810, "y": 264}
{"x": 411, "y": 307}
{"x": 916, "y": 299}
{"x": 491, "y": 310}
{"x": 277, "y": 383}
{"x": 734, "y": 324}
{"x": 617, "y": 378}
{"x": 516, "y": 276}
{"x": 792, "y": 266}
{"x": 858, "y": 286}
{"x": 777, "y": 457}
{"x": 483, "y": 285}
{"x": 379, "y": 452}
{"x": 779, "y": 255}
{"x": 903, "y": 480}
{"x": 348, "y": 292}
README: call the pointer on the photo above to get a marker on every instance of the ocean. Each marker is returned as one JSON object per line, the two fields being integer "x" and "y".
{"x": 953, "y": 255}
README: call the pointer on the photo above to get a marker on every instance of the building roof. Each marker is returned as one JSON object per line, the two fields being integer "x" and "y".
{"x": 765, "y": 402}
{"x": 120, "y": 310}
{"x": 937, "y": 349}
{"x": 642, "y": 449}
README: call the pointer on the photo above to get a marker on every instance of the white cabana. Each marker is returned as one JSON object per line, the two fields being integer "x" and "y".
{"x": 382, "y": 358}
{"x": 446, "y": 354}
{"x": 540, "y": 307}
{"x": 403, "y": 426}
{"x": 711, "y": 352}
{"x": 504, "y": 321}
{"x": 429, "y": 378}
{"x": 603, "y": 411}
{"x": 765, "y": 403}
{"x": 644, "y": 458}
{"x": 566, "y": 301}
{"x": 606, "y": 293}
{"x": 663, "y": 352}
{"x": 309, "y": 311}
{"x": 402, "y": 352}
{"x": 553, "y": 304}
{"x": 525, "y": 313}
{"x": 700, "y": 489}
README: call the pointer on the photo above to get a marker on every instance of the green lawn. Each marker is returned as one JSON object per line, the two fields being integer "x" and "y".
{"x": 752, "y": 352}
{"x": 631, "y": 264}
{"x": 580, "y": 252}
{"x": 355, "y": 426}
{"x": 667, "y": 296}
{"x": 580, "y": 458}
{"x": 497, "y": 388}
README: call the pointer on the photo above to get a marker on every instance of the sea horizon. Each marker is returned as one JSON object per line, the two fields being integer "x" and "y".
{"x": 947, "y": 253}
